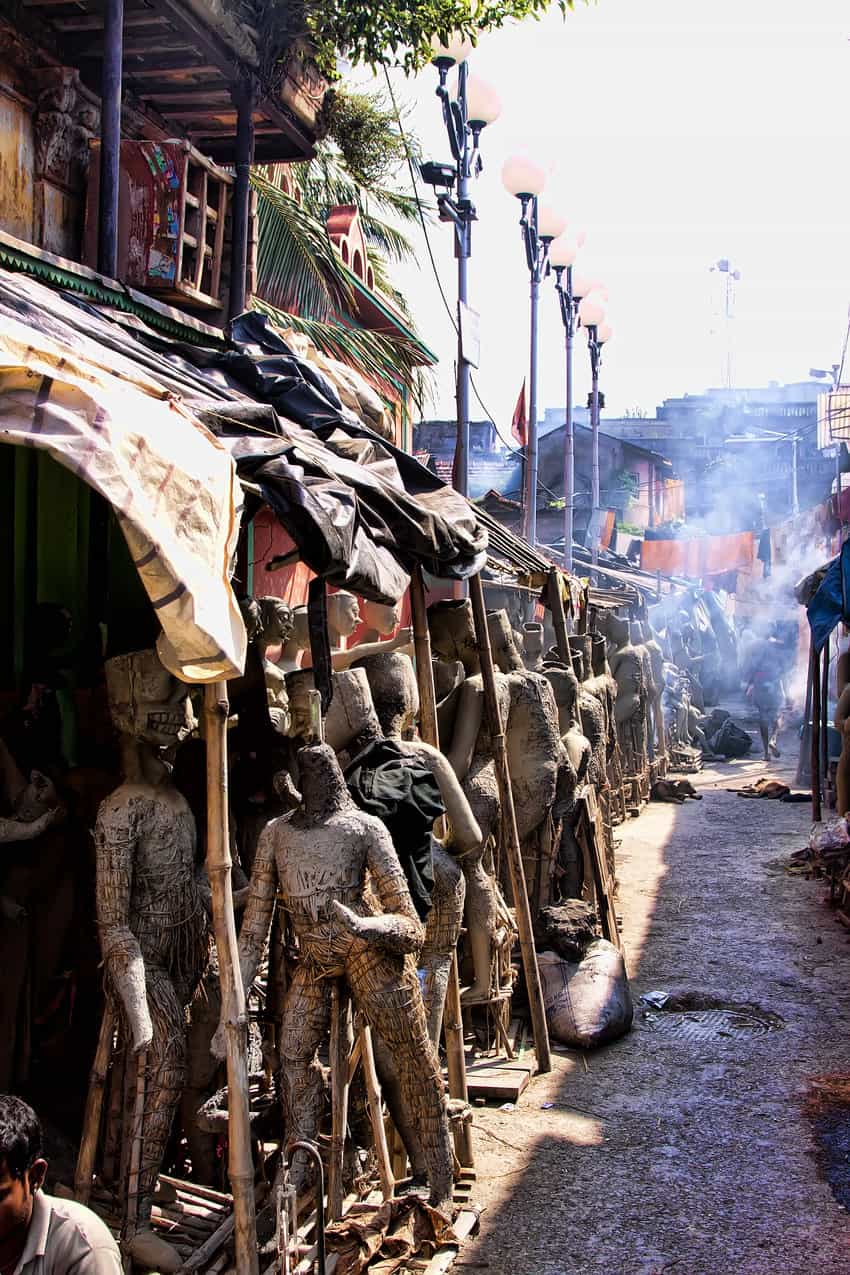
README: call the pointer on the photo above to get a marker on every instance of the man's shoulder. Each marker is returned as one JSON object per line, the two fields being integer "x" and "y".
{"x": 75, "y": 1230}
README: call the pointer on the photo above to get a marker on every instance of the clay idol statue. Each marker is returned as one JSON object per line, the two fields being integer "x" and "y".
{"x": 150, "y": 912}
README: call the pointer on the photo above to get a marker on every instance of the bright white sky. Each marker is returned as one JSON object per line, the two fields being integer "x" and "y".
{"x": 679, "y": 132}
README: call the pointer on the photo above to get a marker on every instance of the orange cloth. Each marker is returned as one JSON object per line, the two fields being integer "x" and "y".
{"x": 702, "y": 556}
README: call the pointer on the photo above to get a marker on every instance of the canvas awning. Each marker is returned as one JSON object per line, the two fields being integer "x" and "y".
{"x": 162, "y": 429}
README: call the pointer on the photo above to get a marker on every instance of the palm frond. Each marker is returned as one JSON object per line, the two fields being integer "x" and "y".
{"x": 395, "y": 361}
{"x": 384, "y": 284}
{"x": 387, "y": 239}
{"x": 297, "y": 268}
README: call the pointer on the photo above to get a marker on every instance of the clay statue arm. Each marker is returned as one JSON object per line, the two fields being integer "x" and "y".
{"x": 466, "y": 834}
{"x": 19, "y": 830}
{"x": 258, "y": 910}
{"x": 467, "y": 725}
{"x": 344, "y": 659}
{"x": 115, "y": 849}
{"x": 398, "y": 929}
{"x": 12, "y": 781}
{"x": 842, "y": 709}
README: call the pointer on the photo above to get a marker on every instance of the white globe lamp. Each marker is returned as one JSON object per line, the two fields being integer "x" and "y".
{"x": 550, "y": 223}
{"x": 522, "y": 177}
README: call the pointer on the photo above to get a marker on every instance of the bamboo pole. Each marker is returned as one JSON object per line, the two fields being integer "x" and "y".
{"x": 240, "y": 1163}
{"x": 373, "y": 1094}
{"x": 824, "y": 720}
{"x": 452, "y": 1017}
{"x": 339, "y": 1095}
{"x": 814, "y": 742}
{"x": 802, "y": 765}
{"x": 559, "y": 619}
{"x": 94, "y": 1105}
{"x": 512, "y": 848}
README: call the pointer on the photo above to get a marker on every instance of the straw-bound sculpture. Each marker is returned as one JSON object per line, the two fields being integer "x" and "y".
{"x": 151, "y": 919}
{"x": 315, "y": 862}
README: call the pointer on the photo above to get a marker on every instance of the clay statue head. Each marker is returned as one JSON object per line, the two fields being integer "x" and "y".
{"x": 532, "y": 635}
{"x": 276, "y": 620}
{"x": 322, "y": 786}
{"x": 394, "y": 691}
{"x": 145, "y": 701}
{"x": 564, "y": 685}
{"x": 636, "y": 633}
{"x": 505, "y": 655}
{"x": 343, "y": 613}
{"x": 351, "y": 712}
{"x": 599, "y": 656}
{"x": 578, "y": 650}
{"x": 453, "y": 633}
{"x": 380, "y": 617}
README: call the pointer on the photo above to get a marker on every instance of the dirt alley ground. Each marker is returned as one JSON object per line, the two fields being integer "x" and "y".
{"x": 663, "y": 1154}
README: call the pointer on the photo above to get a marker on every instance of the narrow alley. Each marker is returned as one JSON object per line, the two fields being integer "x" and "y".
{"x": 672, "y": 1153}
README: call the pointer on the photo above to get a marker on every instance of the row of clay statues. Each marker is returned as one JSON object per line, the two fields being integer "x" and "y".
{"x": 369, "y": 894}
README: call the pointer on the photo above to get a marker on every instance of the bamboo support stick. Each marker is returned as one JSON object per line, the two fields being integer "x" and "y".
{"x": 373, "y": 1095}
{"x": 824, "y": 719}
{"x": 339, "y": 1096}
{"x": 452, "y": 1019}
{"x": 559, "y": 619}
{"x": 802, "y": 764}
{"x": 815, "y": 736}
{"x": 512, "y": 847}
{"x": 240, "y": 1162}
{"x": 210, "y": 1246}
{"x": 94, "y": 1105}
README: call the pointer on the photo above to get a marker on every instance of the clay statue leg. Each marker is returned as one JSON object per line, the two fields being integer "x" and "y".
{"x": 481, "y": 921}
{"x": 397, "y": 1107}
{"x": 306, "y": 1018}
{"x": 442, "y": 931}
{"x": 386, "y": 991}
{"x": 165, "y": 1076}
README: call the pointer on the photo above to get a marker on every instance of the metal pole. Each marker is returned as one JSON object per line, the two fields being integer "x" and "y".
{"x": 462, "y": 251}
{"x": 110, "y": 146}
{"x": 243, "y": 97}
{"x": 569, "y": 439}
{"x": 531, "y": 450}
{"x": 594, "y": 427}
{"x": 795, "y": 504}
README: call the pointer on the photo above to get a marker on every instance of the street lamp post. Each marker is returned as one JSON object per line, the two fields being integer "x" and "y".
{"x": 466, "y": 112}
{"x": 540, "y": 226}
{"x": 562, "y": 254}
{"x": 591, "y": 315}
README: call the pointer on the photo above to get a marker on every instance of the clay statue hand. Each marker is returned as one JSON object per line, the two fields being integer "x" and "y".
{"x": 403, "y": 638}
{"x": 391, "y": 931}
{"x": 141, "y": 1029}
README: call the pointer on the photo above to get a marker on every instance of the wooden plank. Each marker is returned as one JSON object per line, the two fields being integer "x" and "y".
{"x": 498, "y": 1079}
{"x": 189, "y": 96}
{"x": 176, "y": 64}
{"x": 95, "y": 21}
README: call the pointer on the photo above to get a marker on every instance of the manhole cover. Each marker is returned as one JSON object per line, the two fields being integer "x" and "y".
{"x": 699, "y": 1018}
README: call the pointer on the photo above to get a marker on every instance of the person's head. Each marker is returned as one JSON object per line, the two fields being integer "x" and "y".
{"x": 22, "y": 1166}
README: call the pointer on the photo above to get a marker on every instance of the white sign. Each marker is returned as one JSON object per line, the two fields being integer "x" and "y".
{"x": 470, "y": 334}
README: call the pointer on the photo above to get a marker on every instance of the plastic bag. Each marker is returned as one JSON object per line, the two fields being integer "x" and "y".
{"x": 832, "y": 837}
{"x": 588, "y": 1002}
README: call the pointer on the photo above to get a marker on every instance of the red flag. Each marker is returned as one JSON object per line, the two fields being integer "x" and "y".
{"x": 519, "y": 424}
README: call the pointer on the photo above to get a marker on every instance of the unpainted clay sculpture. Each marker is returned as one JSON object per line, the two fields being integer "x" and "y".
{"x": 565, "y": 689}
{"x": 842, "y": 774}
{"x": 636, "y": 638}
{"x": 656, "y": 688}
{"x": 382, "y": 620}
{"x": 315, "y": 862}
{"x": 343, "y": 618}
{"x": 150, "y": 912}
{"x": 469, "y": 750}
{"x": 297, "y": 642}
{"x": 269, "y": 622}
{"x": 536, "y": 758}
{"x": 591, "y": 716}
{"x": 627, "y": 667}
{"x": 532, "y": 647}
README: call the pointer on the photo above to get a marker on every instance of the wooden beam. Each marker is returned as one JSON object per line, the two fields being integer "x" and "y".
{"x": 165, "y": 66}
{"x": 178, "y": 97}
{"x": 95, "y": 21}
{"x": 203, "y": 40}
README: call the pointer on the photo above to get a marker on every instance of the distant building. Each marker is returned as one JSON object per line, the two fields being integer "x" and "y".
{"x": 734, "y": 450}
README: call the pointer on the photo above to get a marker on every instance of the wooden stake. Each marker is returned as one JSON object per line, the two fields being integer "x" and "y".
{"x": 807, "y": 711}
{"x": 429, "y": 730}
{"x": 373, "y": 1094}
{"x": 824, "y": 719}
{"x": 559, "y": 619}
{"x": 513, "y": 850}
{"x": 240, "y": 1163}
{"x": 339, "y": 1095}
{"x": 94, "y": 1105}
{"x": 815, "y": 736}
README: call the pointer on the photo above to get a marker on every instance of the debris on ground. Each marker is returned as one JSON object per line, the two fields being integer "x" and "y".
{"x": 567, "y": 928}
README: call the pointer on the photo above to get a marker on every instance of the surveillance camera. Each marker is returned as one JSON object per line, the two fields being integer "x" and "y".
{"x": 436, "y": 174}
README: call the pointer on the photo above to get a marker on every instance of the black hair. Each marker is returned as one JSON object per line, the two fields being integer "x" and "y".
{"x": 20, "y": 1135}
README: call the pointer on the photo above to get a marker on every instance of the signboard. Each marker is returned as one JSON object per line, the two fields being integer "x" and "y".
{"x": 470, "y": 334}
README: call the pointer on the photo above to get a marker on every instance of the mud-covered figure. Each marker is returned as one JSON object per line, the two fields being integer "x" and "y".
{"x": 627, "y": 667}
{"x": 381, "y": 620}
{"x": 656, "y": 689}
{"x": 150, "y": 913}
{"x": 297, "y": 642}
{"x": 315, "y": 862}
{"x": 842, "y": 773}
{"x": 269, "y": 623}
{"x": 565, "y": 689}
{"x": 592, "y": 716}
{"x": 343, "y": 618}
{"x": 536, "y": 758}
{"x": 636, "y": 639}
{"x": 469, "y": 750}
